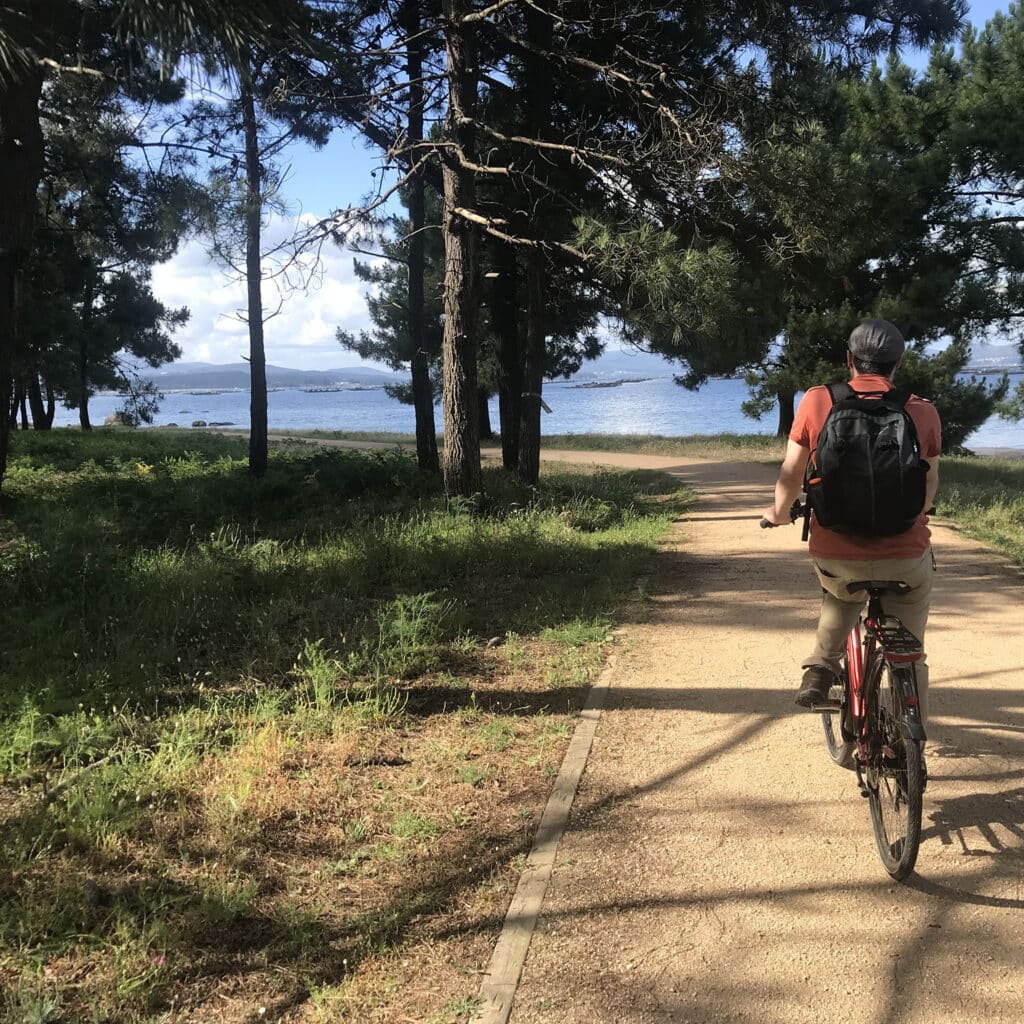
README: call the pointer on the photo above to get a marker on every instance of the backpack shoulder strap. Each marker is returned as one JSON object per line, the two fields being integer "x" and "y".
{"x": 899, "y": 397}
{"x": 839, "y": 392}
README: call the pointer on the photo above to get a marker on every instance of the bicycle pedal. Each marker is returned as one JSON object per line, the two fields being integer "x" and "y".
{"x": 827, "y": 705}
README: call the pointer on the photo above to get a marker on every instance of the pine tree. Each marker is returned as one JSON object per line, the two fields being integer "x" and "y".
{"x": 104, "y": 40}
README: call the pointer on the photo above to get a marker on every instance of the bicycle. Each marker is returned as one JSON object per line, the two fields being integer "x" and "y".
{"x": 880, "y": 735}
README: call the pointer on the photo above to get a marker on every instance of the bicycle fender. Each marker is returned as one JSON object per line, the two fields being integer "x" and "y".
{"x": 912, "y": 708}
{"x": 912, "y": 720}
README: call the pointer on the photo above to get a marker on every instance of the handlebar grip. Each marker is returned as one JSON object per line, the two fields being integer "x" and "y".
{"x": 795, "y": 512}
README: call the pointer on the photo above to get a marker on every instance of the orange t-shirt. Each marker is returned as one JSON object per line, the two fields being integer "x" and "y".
{"x": 810, "y": 417}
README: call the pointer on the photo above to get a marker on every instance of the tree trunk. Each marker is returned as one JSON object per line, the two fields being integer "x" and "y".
{"x": 787, "y": 412}
{"x": 35, "y": 403}
{"x": 539, "y": 33}
{"x": 42, "y": 411}
{"x": 422, "y": 389}
{"x": 83, "y": 387}
{"x": 83, "y": 355}
{"x": 483, "y": 403}
{"x": 23, "y": 406}
{"x": 254, "y": 280}
{"x": 533, "y": 370}
{"x": 21, "y": 166}
{"x": 459, "y": 401}
{"x": 505, "y": 318}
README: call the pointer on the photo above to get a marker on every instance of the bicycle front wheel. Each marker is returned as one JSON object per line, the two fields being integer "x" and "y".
{"x": 895, "y": 775}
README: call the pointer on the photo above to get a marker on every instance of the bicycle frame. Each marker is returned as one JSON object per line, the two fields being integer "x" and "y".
{"x": 855, "y": 662}
{"x": 873, "y": 636}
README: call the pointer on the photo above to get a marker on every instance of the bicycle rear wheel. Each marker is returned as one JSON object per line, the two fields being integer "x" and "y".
{"x": 895, "y": 776}
{"x": 840, "y": 749}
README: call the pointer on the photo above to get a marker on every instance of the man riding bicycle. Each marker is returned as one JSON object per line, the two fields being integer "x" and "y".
{"x": 876, "y": 349}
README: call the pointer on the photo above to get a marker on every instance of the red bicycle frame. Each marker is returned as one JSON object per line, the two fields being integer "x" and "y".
{"x": 856, "y": 660}
{"x": 855, "y": 668}
{"x": 860, "y": 650}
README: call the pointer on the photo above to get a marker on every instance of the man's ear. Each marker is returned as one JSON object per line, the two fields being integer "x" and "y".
{"x": 849, "y": 362}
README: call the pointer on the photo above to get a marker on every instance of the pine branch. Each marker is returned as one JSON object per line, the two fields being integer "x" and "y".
{"x": 483, "y": 15}
{"x": 489, "y": 224}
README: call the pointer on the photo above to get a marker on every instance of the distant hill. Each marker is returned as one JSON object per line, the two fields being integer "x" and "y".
{"x": 613, "y": 364}
{"x": 186, "y": 376}
{"x": 628, "y": 362}
{"x": 995, "y": 358}
{"x": 229, "y": 376}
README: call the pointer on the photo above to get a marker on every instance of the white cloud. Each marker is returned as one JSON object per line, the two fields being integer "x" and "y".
{"x": 301, "y": 335}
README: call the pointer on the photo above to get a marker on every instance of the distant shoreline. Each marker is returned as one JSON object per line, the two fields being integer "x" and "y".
{"x": 374, "y": 437}
{"x": 656, "y": 406}
{"x": 577, "y": 381}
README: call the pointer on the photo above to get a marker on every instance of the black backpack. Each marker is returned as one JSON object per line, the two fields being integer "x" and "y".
{"x": 866, "y": 476}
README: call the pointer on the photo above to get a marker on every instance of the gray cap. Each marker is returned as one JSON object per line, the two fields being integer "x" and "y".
{"x": 877, "y": 340}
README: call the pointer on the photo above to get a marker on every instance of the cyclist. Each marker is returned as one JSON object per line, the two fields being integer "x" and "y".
{"x": 876, "y": 349}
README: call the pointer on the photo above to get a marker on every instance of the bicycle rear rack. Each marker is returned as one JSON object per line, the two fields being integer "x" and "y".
{"x": 898, "y": 644}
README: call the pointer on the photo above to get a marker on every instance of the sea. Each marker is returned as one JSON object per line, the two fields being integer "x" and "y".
{"x": 653, "y": 406}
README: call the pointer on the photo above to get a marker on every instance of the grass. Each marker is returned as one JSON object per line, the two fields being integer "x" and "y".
{"x": 985, "y": 497}
{"x": 723, "y": 447}
{"x": 269, "y": 743}
{"x": 383, "y": 436}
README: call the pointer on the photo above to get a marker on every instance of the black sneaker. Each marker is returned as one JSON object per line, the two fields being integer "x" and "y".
{"x": 815, "y": 686}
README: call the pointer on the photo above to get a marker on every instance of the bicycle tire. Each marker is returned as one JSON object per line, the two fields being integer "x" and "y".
{"x": 839, "y": 748}
{"x": 894, "y": 776}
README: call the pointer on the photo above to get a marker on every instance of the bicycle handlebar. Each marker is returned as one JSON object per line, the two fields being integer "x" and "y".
{"x": 796, "y": 510}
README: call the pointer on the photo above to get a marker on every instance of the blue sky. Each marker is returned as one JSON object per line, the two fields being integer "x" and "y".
{"x": 303, "y": 334}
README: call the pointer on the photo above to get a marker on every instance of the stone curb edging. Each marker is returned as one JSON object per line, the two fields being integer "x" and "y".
{"x": 502, "y": 979}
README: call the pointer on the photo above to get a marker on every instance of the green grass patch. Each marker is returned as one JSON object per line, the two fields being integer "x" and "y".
{"x": 579, "y": 632}
{"x": 243, "y": 722}
{"x": 378, "y": 436}
{"x": 155, "y": 573}
{"x": 985, "y": 497}
{"x": 472, "y": 775}
{"x": 722, "y": 447}
{"x": 415, "y": 827}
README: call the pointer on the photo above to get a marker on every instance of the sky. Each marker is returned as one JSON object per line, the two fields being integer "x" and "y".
{"x": 302, "y": 334}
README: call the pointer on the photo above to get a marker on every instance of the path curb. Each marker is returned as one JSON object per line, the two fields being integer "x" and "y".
{"x": 499, "y": 986}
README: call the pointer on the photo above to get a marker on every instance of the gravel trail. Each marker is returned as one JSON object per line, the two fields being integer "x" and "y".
{"x": 718, "y": 867}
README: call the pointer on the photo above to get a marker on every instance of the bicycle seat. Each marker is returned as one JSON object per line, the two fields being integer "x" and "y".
{"x": 876, "y": 588}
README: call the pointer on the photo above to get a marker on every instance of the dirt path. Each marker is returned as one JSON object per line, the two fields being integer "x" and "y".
{"x": 719, "y": 868}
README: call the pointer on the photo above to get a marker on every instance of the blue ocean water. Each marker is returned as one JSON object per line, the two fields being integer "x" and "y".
{"x": 656, "y": 406}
